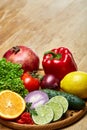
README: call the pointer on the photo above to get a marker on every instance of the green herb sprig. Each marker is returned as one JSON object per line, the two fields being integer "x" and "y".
{"x": 28, "y": 109}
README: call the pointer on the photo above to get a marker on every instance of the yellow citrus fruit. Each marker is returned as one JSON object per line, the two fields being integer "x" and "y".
{"x": 75, "y": 83}
{"x": 11, "y": 104}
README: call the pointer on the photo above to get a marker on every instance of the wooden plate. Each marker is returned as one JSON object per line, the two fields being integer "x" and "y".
{"x": 69, "y": 118}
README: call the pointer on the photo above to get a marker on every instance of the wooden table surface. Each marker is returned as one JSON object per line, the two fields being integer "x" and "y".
{"x": 43, "y": 25}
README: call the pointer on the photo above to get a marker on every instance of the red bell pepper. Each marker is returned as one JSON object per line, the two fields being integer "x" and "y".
{"x": 59, "y": 62}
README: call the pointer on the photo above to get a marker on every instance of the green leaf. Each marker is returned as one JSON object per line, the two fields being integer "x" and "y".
{"x": 28, "y": 109}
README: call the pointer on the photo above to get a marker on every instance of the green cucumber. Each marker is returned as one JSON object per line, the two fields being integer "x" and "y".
{"x": 75, "y": 102}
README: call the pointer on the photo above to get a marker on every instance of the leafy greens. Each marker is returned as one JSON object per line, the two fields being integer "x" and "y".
{"x": 10, "y": 77}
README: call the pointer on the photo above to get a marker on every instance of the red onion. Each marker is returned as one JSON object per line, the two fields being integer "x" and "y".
{"x": 37, "y": 98}
{"x": 49, "y": 81}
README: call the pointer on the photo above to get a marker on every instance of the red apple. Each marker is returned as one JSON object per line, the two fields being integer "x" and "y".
{"x": 24, "y": 56}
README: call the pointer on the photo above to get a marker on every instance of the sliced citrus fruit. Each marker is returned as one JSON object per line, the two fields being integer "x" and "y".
{"x": 62, "y": 100}
{"x": 44, "y": 115}
{"x": 57, "y": 109}
{"x": 11, "y": 104}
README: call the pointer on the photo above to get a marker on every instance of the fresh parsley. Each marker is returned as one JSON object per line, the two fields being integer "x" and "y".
{"x": 28, "y": 109}
{"x": 10, "y": 77}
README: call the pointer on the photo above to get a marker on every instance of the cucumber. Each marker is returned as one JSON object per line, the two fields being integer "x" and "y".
{"x": 75, "y": 102}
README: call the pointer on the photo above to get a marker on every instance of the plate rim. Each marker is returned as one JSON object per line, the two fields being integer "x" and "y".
{"x": 54, "y": 125}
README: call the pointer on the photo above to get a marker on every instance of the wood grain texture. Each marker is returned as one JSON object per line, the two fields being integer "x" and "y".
{"x": 43, "y": 25}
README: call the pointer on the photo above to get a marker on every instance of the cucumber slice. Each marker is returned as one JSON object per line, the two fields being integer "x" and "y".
{"x": 57, "y": 109}
{"x": 62, "y": 100}
{"x": 44, "y": 115}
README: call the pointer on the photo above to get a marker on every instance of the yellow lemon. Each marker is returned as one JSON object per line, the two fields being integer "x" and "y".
{"x": 75, "y": 83}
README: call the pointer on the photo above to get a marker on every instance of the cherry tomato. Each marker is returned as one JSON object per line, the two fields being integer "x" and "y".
{"x": 30, "y": 82}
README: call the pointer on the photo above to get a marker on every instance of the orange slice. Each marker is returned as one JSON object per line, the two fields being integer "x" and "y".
{"x": 11, "y": 104}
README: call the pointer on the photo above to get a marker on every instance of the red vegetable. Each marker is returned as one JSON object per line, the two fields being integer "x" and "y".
{"x": 59, "y": 62}
{"x": 25, "y": 118}
{"x": 49, "y": 81}
{"x": 30, "y": 82}
{"x": 24, "y": 56}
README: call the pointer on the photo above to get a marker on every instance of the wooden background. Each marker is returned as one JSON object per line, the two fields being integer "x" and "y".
{"x": 43, "y": 25}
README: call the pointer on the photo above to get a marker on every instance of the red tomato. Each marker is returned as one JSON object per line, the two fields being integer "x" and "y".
{"x": 30, "y": 82}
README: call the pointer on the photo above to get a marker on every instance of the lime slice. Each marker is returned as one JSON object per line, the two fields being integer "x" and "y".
{"x": 44, "y": 115}
{"x": 57, "y": 109}
{"x": 62, "y": 100}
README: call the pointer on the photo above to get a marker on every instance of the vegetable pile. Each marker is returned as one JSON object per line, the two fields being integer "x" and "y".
{"x": 45, "y": 101}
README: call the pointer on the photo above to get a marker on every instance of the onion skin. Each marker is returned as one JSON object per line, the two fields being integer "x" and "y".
{"x": 24, "y": 56}
{"x": 50, "y": 81}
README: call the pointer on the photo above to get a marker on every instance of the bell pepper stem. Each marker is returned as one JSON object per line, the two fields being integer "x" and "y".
{"x": 54, "y": 55}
